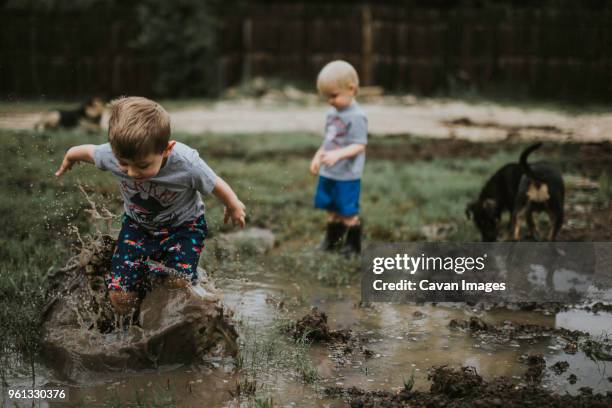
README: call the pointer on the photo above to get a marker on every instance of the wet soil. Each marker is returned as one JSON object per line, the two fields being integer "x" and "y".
{"x": 386, "y": 343}
{"x": 594, "y": 225}
{"x": 345, "y": 346}
{"x": 599, "y": 307}
{"x": 560, "y": 367}
{"x": 587, "y": 158}
{"x": 535, "y": 367}
{"x": 508, "y": 331}
{"x": 397, "y": 148}
{"x": 512, "y": 131}
{"x": 461, "y": 387}
{"x": 313, "y": 327}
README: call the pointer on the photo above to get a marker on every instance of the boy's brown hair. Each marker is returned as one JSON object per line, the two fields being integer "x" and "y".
{"x": 137, "y": 127}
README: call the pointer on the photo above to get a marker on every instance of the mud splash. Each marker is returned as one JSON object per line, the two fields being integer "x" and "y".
{"x": 173, "y": 326}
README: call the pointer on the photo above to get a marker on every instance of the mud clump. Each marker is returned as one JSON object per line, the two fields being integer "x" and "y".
{"x": 559, "y": 367}
{"x": 599, "y": 307}
{"x": 344, "y": 345}
{"x": 536, "y": 365}
{"x": 572, "y": 340}
{"x": 454, "y": 383}
{"x": 463, "y": 387}
{"x": 82, "y": 335}
{"x": 508, "y": 330}
{"x": 313, "y": 327}
{"x": 417, "y": 314}
{"x": 597, "y": 350}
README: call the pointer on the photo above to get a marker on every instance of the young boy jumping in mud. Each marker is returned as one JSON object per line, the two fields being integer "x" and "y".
{"x": 160, "y": 182}
{"x": 340, "y": 159}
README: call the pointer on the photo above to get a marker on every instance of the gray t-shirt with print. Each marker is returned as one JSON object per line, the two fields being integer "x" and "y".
{"x": 343, "y": 128}
{"x": 169, "y": 199}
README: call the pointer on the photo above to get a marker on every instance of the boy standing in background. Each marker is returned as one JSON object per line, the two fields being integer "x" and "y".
{"x": 340, "y": 159}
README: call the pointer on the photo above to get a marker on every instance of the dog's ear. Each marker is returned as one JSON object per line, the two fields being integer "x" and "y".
{"x": 469, "y": 210}
{"x": 489, "y": 203}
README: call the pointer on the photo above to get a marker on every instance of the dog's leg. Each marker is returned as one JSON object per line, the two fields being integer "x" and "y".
{"x": 553, "y": 222}
{"x": 556, "y": 220}
{"x": 513, "y": 224}
{"x": 533, "y": 226}
{"x": 517, "y": 217}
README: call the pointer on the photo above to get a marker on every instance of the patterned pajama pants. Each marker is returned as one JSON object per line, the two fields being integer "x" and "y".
{"x": 178, "y": 248}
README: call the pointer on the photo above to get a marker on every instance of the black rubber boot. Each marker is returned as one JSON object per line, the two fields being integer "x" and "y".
{"x": 352, "y": 244}
{"x": 333, "y": 236}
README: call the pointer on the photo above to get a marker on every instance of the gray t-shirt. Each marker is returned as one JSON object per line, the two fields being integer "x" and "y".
{"x": 343, "y": 128}
{"x": 169, "y": 199}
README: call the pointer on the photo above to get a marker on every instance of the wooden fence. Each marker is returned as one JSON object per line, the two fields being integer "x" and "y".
{"x": 547, "y": 52}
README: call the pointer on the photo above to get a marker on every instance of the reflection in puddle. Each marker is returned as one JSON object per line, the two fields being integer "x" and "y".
{"x": 560, "y": 280}
{"x": 597, "y": 324}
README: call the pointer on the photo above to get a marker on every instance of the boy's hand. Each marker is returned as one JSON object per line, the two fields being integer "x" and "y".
{"x": 82, "y": 153}
{"x": 329, "y": 158}
{"x": 315, "y": 165}
{"x": 236, "y": 212}
{"x": 66, "y": 165}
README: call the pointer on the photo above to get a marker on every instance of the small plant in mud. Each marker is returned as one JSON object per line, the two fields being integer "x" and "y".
{"x": 259, "y": 353}
{"x": 20, "y": 326}
{"x": 265, "y": 354}
{"x": 264, "y": 402}
{"x": 599, "y": 349}
{"x": 304, "y": 367}
{"x": 244, "y": 388}
{"x": 409, "y": 382}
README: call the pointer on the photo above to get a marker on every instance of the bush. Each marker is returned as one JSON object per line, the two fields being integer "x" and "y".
{"x": 182, "y": 34}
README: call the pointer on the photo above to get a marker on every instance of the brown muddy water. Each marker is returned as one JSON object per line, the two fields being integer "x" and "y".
{"x": 401, "y": 340}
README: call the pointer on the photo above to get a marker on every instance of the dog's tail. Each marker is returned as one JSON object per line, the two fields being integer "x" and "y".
{"x": 523, "y": 160}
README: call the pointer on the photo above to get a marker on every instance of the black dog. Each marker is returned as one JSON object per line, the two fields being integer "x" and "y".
{"x": 521, "y": 189}
{"x": 87, "y": 116}
{"x": 541, "y": 189}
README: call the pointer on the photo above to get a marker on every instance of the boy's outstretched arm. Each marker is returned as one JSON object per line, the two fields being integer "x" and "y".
{"x": 234, "y": 208}
{"x": 331, "y": 157}
{"x": 82, "y": 153}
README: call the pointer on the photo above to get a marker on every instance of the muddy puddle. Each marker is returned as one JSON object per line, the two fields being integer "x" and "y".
{"x": 390, "y": 344}
{"x": 402, "y": 339}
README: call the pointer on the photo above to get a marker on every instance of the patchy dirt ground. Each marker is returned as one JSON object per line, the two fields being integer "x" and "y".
{"x": 463, "y": 387}
{"x": 435, "y": 118}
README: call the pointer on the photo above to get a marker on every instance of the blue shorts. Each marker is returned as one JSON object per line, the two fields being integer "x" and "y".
{"x": 339, "y": 196}
{"x": 178, "y": 248}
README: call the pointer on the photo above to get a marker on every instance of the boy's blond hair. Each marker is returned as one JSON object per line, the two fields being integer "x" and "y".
{"x": 337, "y": 73}
{"x": 137, "y": 127}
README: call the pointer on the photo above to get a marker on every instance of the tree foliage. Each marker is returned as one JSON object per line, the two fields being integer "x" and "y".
{"x": 181, "y": 36}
